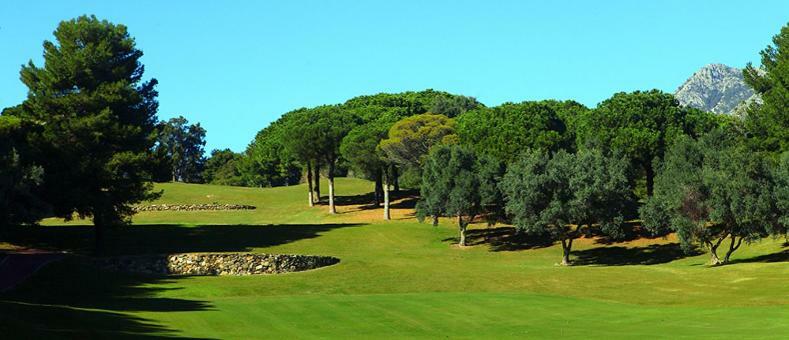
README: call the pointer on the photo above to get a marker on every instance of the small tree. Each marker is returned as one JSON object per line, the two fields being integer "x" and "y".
{"x": 711, "y": 190}
{"x": 558, "y": 196}
{"x": 222, "y": 168}
{"x": 451, "y": 185}
{"x": 182, "y": 145}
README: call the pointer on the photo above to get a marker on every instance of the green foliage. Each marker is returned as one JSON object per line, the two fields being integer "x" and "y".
{"x": 411, "y": 138}
{"x": 641, "y": 125}
{"x": 557, "y": 195}
{"x": 181, "y": 146}
{"x": 768, "y": 123}
{"x": 267, "y": 162}
{"x": 507, "y": 130}
{"x": 20, "y": 178}
{"x": 97, "y": 121}
{"x": 222, "y": 168}
{"x": 414, "y": 103}
{"x": 714, "y": 189}
{"x": 781, "y": 193}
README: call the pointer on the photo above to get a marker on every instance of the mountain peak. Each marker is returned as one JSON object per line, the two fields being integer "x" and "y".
{"x": 715, "y": 88}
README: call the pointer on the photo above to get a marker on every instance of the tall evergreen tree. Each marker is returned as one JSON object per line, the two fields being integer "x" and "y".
{"x": 98, "y": 120}
{"x": 769, "y": 122}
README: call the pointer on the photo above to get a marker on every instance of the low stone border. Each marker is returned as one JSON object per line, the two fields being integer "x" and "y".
{"x": 214, "y": 263}
{"x": 192, "y": 207}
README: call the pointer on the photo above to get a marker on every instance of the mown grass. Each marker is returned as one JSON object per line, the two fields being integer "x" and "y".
{"x": 395, "y": 279}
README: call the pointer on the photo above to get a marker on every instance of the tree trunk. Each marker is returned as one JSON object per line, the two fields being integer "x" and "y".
{"x": 379, "y": 188}
{"x": 309, "y": 184}
{"x": 332, "y": 209}
{"x": 732, "y": 248}
{"x": 650, "y": 175}
{"x": 99, "y": 224}
{"x": 387, "y": 215}
{"x": 317, "y": 186}
{"x": 567, "y": 246}
{"x": 714, "y": 259}
{"x": 462, "y": 226}
{"x": 435, "y": 220}
{"x": 396, "y": 175}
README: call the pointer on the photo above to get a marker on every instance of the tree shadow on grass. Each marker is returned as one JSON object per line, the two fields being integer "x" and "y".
{"x": 503, "y": 239}
{"x": 624, "y": 256}
{"x": 71, "y": 299}
{"x": 632, "y": 231}
{"x": 400, "y": 200}
{"x": 167, "y": 238}
{"x": 781, "y": 256}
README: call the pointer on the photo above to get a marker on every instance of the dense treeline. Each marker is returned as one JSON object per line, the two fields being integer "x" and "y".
{"x": 87, "y": 142}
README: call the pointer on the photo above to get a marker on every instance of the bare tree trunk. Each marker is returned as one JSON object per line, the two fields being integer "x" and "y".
{"x": 650, "y": 177}
{"x": 462, "y": 226}
{"x": 317, "y": 186}
{"x": 396, "y": 175}
{"x": 732, "y": 248}
{"x": 309, "y": 183}
{"x": 332, "y": 208}
{"x": 567, "y": 246}
{"x": 714, "y": 259}
{"x": 387, "y": 215}
{"x": 379, "y": 188}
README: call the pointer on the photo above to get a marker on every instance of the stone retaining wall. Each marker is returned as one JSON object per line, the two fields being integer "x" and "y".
{"x": 192, "y": 207}
{"x": 215, "y": 263}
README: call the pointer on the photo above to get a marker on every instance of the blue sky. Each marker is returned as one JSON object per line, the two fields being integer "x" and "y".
{"x": 234, "y": 66}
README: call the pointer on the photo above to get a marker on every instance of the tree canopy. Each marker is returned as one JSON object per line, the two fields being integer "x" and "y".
{"x": 711, "y": 190}
{"x": 507, "y": 130}
{"x": 558, "y": 195}
{"x": 641, "y": 125}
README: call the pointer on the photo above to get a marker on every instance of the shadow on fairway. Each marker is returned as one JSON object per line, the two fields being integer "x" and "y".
{"x": 165, "y": 239}
{"x": 623, "y": 256}
{"x": 406, "y": 199}
{"x": 781, "y": 256}
{"x": 70, "y": 299}
{"x": 503, "y": 239}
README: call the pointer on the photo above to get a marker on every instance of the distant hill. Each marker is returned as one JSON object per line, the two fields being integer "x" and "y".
{"x": 716, "y": 88}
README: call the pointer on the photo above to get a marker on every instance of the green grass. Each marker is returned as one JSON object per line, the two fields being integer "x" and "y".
{"x": 396, "y": 279}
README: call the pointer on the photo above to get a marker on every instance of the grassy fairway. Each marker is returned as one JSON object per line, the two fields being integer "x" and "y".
{"x": 395, "y": 279}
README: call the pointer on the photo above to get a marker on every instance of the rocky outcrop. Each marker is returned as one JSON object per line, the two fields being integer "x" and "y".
{"x": 192, "y": 207}
{"x": 214, "y": 263}
{"x": 716, "y": 88}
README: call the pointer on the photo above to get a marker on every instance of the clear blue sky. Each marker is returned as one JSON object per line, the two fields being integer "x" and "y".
{"x": 234, "y": 66}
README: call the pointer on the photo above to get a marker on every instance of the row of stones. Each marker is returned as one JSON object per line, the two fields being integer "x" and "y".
{"x": 215, "y": 263}
{"x": 192, "y": 207}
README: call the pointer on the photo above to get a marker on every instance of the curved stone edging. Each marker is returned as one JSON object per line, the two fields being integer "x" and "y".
{"x": 192, "y": 207}
{"x": 215, "y": 263}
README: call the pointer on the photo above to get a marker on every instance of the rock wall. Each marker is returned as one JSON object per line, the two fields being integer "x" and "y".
{"x": 215, "y": 263}
{"x": 192, "y": 207}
